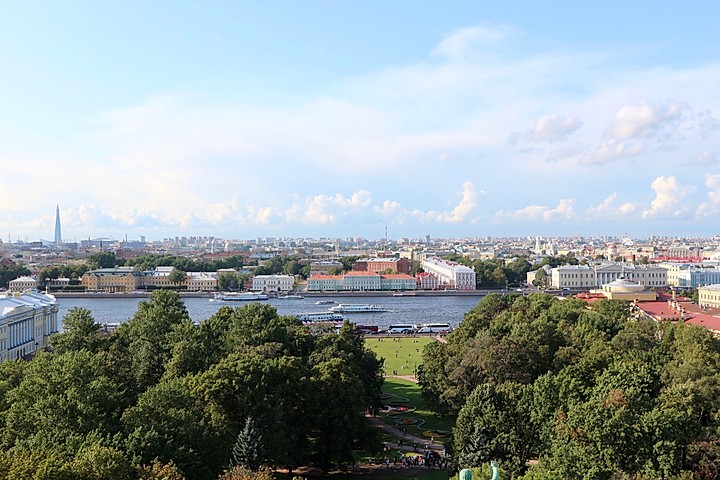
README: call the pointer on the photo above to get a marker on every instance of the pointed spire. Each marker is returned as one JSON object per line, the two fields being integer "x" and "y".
{"x": 58, "y": 235}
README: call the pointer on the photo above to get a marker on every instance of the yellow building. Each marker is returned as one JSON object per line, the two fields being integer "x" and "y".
{"x": 111, "y": 280}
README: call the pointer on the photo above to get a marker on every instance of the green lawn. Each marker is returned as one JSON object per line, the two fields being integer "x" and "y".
{"x": 401, "y": 354}
{"x": 405, "y": 389}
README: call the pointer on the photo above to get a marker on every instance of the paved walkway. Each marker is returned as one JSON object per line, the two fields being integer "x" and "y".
{"x": 409, "y": 441}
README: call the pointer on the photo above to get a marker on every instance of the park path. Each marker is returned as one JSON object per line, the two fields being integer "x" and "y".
{"x": 409, "y": 441}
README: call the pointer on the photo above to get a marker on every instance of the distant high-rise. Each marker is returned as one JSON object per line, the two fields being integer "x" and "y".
{"x": 58, "y": 235}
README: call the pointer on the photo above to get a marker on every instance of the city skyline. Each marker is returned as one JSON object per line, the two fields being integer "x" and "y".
{"x": 336, "y": 120}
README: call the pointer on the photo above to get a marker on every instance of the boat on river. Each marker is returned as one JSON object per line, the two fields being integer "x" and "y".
{"x": 239, "y": 297}
{"x": 357, "y": 308}
{"x": 320, "y": 317}
{"x": 290, "y": 297}
{"x": 325, "y": 302}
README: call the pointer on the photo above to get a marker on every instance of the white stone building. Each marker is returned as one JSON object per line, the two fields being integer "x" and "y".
{"x": 594, "y": 276}
{"x": 709, "y": 296}
{"x": 450, "y": 274}
{"x": 26, "y": 322}
{"x": 23, "y": 283}
{"x": 273, "y": 283}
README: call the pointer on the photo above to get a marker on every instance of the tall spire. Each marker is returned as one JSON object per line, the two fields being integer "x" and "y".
{"x": 58, "y": 235}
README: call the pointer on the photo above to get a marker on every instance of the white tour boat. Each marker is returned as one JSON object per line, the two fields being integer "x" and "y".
{"x": 239, "y": 296}
{"x": 320, "y": 317}
{"x": 357, "y": 308}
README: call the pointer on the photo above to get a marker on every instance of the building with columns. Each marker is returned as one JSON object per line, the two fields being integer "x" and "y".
{"x": 595, "y": 276}
{"x": 26, "y": 322}
{"x": 450, "y": 274}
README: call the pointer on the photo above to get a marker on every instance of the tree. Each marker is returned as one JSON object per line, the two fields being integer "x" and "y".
{"x": 496, "y": 423}
{"x": 150, "y": 335}
{"x": 80, "y": 332}
{"x": 102, "y": 260}
{"x": 62, "y": 399}
{"x": 248, "y": 450}
{"x": 231, "y": 281}
{"x": 541, "y": 278}
{"x": 177, "y": 276}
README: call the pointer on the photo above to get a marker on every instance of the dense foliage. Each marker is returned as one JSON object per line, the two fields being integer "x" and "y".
{"x": 165, "y": 398}
{"x": 11, "y": 271}
{"x": 589, "y": 391}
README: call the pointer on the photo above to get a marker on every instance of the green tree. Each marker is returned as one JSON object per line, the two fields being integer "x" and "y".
{"x": 80, "y": 332}
{"x": 177, "y": 276}
{"x": 102, "y": 260}
{"x": 496, "y": 423}
{"x": 541, "y": 278}
{"x": 150, "y": 335}
{"x": 248, "y": 450}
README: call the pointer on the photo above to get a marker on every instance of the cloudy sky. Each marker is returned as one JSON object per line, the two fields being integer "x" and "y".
{"x": 241, "y": 119}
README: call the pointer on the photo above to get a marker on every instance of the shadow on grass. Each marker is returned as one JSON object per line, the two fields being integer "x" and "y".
{"x": 411, "y": 391}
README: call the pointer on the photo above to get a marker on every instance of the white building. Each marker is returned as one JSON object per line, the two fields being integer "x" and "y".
{"x": 201, "y": 281}
{"x": 450, "y": 274}
{"x": 709, "y": 296}
{"x": 594, "y": 276}
{"x": 23, "y": 283}
{"x": 361, "y": 282}
{"x": 273, "y": 283}
{"x": 26, "y": 322}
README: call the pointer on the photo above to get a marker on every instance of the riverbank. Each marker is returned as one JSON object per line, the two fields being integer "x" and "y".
{"x": 379, "y": 294}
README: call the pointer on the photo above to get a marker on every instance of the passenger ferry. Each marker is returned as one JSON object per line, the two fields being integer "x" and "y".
{"x": 357, "y": 308}
{"x": 320, "y": 317}
{"x": 238, "y": 297}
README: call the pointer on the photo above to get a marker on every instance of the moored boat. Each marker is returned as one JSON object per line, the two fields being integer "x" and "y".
{"x": 239, "y": 297}
{"x": 320, "y": 317}
{"x": 357, "y": 308}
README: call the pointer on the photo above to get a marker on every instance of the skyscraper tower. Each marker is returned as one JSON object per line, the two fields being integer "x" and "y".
{"x": 58, "y": 236}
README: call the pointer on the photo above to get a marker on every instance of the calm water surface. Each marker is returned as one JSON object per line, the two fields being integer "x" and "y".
{"x": 449, "y": 309}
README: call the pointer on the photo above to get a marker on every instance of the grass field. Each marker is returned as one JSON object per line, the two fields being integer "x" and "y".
{"x": 405, "y": 389}
{"x": 401, "y": 354}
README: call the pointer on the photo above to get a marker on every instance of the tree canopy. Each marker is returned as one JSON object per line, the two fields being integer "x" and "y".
{"x": 165, "y": 398}
{"x": 589, "y": 391}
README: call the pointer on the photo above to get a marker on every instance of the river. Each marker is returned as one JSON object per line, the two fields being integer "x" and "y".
{"x": 419, "y": 309}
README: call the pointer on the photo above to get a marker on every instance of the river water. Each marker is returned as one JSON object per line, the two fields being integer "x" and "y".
{"x": 416, "y": 310}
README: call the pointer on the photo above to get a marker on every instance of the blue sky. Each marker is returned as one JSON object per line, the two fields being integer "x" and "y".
{"x": 336, "y": 119}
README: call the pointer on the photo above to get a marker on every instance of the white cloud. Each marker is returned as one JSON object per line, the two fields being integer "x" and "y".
{"x": 712, "y": 207}
{"x": 612, "y": 150}
{"x": 460, "y": 213}
{"x": 704, "y": 159}
{"x": 644, "y": 120}
{"x": 669, "y": 198}
{"x": 549, "y": 128}
{"x": 563, "y": 211}
{"x": 607, "y": 209}
{"x": 462, "y": 42}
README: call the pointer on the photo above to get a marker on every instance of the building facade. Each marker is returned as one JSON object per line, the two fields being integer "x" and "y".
{"x": 594, "y": 276}
{"x": 698, "y": 277}
{"x": 273, "y": 283}
{"x": 709, "y": 296}
{"x": 21, "y": 284}
{"x": 361, "y": 282}
{"x": 111, "y": 280}
{"x": 450, "y": 274}
{"x": 399, "y": 265}
{"x": 26, "y": 322}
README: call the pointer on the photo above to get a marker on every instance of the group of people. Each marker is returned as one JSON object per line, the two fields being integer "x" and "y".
{"x": 429, "y": 460}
